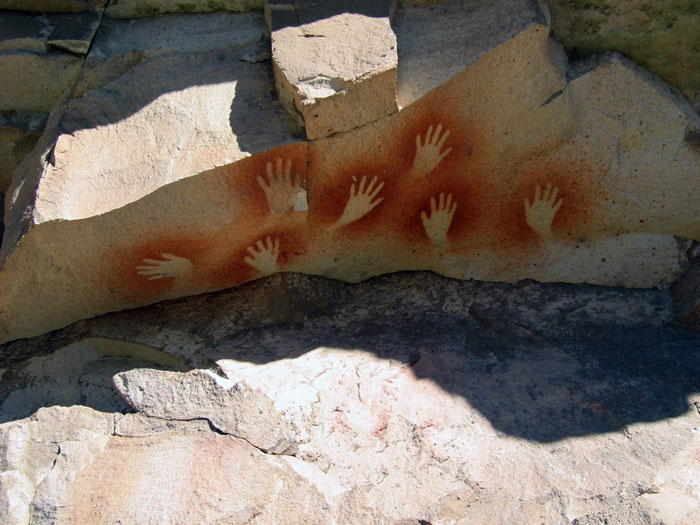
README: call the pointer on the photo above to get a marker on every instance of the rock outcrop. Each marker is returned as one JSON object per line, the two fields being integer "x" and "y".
{"x": 409, "y": 398}
{"x": 171, "y": 169}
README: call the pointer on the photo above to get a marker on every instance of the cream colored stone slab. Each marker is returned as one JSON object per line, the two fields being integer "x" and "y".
{"x": 435, "y": 42}
{"x": 120, "y": 45}
{"x": 146, "y": 8}
{"x": 35, "y": 81}
{"x": 338, "y": 72}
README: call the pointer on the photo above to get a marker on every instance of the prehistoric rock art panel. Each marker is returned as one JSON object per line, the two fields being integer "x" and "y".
{"x": 511, "y": 168}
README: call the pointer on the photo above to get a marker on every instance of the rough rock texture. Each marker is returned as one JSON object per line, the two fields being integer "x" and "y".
{"x": 412, "y": 398}
{"x": 146, "y": 8}
{"x": 19, "y": 132}
{"x": 334, "y": 67}
{"x": 173, "y": 171}
{"x": 661, "y": 35}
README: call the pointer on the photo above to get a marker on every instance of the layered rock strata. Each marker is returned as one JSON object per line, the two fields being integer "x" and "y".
{"x": 173, "y": 171}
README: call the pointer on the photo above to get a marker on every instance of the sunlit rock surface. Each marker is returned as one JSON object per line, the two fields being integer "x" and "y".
{"x": 408, "y": 397}
{"x": 174, "y": 171}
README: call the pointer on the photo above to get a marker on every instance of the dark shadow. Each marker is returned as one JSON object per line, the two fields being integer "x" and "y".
{"x": 293, "y": 13}
{"x": 537, "y": 382}
{"x": 541, "y": 362}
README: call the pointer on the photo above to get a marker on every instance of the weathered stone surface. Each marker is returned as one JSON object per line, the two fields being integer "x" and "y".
{"x": 88, "y": 367}
{"x": 231, "y": 407}
{"x": 21, "y": 31}
{"x": 335, "y": 67}
{"x": 146, "y": 8}
{"x": 30, "y": 32}
{"x": 74, "y": 33}
{"x": 19, "y": 133}
{"x": 41, "y": 455}
{"x": 508, "y": 170}
{"x": 437, "y": 42}
{"x": 661, "y": 36}
{"x": 173, "y": 114}
{"x": 53, "y": 6}
{"x": 415, "y": 397}
{"x": 34, "y": 81}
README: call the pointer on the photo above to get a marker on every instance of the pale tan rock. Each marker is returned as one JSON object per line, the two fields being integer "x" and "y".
{"x": 146, "y": 8}
{"x": 231, "y": 407}
{"x": 173, "y": 114}
{"x": 336, "y": 70}
{"x": 33, "y": 82}
{"x": 415, "y": 398}
{"x": 504, "y": 172}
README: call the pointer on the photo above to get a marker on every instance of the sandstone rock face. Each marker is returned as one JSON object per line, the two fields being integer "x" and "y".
{"x": 410, "y": 398}
{"x": 334, "y": 67}
{"x": 649, "y": 32}
{"x": 146, "y": 8}
{"x": 173, "y": 171}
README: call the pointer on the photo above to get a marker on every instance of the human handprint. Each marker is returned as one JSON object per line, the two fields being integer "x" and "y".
{"x": 437, "y": 224}
{"x": 264, "y": 259}
{"x": 171, "y": 266}
{"x": 361, "y": 200}
{"x": 540, "y": 213}
{"x": 428, "y": 154}
{"x": 280, "y": 189}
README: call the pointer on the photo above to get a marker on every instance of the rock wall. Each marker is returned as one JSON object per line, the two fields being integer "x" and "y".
{"x": 406, "y": 399}
{"x": 192, "y": 153}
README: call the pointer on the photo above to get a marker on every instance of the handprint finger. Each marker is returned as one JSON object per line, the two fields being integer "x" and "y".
{"x": 261, "y": 246}
{"x": 436, "y": 135}
{"x": 428, "y": 136}
{"x": 553, "y": 196}
{"x": 441, "y": 206}
{"x": 276, "y": 248}
{"x": 547, "y": 191}
{"x": 278, "y": 168}
{"x": 526, "y": 202}
{"x": 168, "y": 256}
{"x": 538, "y": 193}
{"x": 352, "y": 190}
{"x": 249, "y": 260}
{"x": 376, "y": 190}
{"x": 433, "y": 206}
{"x": 441, "y": 142}
{"x": 375, "y": 204}
{"x": 288, "y": 167}
{"x": 444, "y": 154}
{"x": 268, "y": 170}
{"x": 157, "y": 277}
{"x": 453, "y": 209}
{"x": 424, "y": 218}
{"x": 152, "y": 261}
{"x": 418, "y": 143}
{"x": 363, "y": 182}
{"x": 448, "y": 201}
{"x": 557, "y": 206}
{"x": 268, "y": 244}
{"x": 147, "y": 270}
